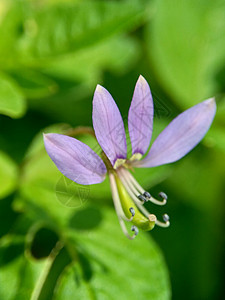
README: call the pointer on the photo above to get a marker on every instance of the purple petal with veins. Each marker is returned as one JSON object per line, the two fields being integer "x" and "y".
{"x": 140, "y": 117}
{"x": 108, "y": 125}
{"x": 181, "y": 135}
{"x": 74, "y": 159}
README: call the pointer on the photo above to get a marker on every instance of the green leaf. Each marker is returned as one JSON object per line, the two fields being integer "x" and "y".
{"x": 113, "y": 266}
{"x": 30, "y": 278}
{"x": 116, "y": 54}
{"x": 219, "y": 118}
{"x": 11, "y": 15}
{"x": 17, "y": 274}
{"x": 87, "y": 262}
{"x": 55, "y": 264}
{"x": 216, "y": 138}
{"x": 8, "y": 175}
{"x": 194, "y": 173}
{"x": 186, "y": 47}
{"x": 34, "y": 84}
{"x": 66, "y": 28}
{"x": 12, "y": 102}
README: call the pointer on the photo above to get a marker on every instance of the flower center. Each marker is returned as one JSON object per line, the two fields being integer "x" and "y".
{"x": 119, "y": 162}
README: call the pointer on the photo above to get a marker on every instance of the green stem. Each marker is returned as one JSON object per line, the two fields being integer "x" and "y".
{"x": 81, "y": 130}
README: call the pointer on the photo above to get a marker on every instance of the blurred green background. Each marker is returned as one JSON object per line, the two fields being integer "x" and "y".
{"x": 59, "y": 240}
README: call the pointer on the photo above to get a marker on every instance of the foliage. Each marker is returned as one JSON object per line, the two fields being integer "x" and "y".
{"x": 59, "y": 240}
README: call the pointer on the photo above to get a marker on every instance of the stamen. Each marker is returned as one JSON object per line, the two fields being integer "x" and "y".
{"x": 165, "y": 219}
{"x": 144, "y": 193}
{"x": 135, "y": 229}
{"x": 155, "y": 201}
{"x": 131, "y": 186}
{"x": 133, "y": 196}
{"x": 116, "y": 200}
{"x": 119, "y": 210}
{"x": 163, "y": 196}
{"x": 135, "y": 183}
{"x": 131, "y": 192}
{"x": 147, "y": 195}
{"x": 124, "y": 229}
{"x": 132, "y": 211}
{"x": 142, "y": 198}
{"x": 129, "y": 200}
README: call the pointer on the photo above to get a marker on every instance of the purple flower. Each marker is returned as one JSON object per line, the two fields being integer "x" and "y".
{"x": 81, "y": 164}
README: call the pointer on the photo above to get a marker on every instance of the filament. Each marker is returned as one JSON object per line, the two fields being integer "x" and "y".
{"x": 116, "y": 200}
{"x": 124, "y": 229}
{"x": 145, "y": 194}
{"x": 133, "y": 196}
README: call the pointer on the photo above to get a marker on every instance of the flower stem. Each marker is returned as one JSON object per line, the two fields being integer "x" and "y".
{"x": 81, "y": 130}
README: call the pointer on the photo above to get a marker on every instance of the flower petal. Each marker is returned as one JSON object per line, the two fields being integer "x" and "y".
{"x": 108, "y": 125}
{"x": 140, "y": 117}
{"x": 181, "y": 135}
{"x": 74, "y": 159}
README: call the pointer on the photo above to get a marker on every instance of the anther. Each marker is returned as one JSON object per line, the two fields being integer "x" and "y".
{"x": 163, "y": 196}
{"x": 135, "y": 230}
{"x": 147, "y": 195}
{"x": 132, "y": 211}
{"x": 166, "y": 222}
{"x": 166, "y": 218}
{"x": 142, "y": 198}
